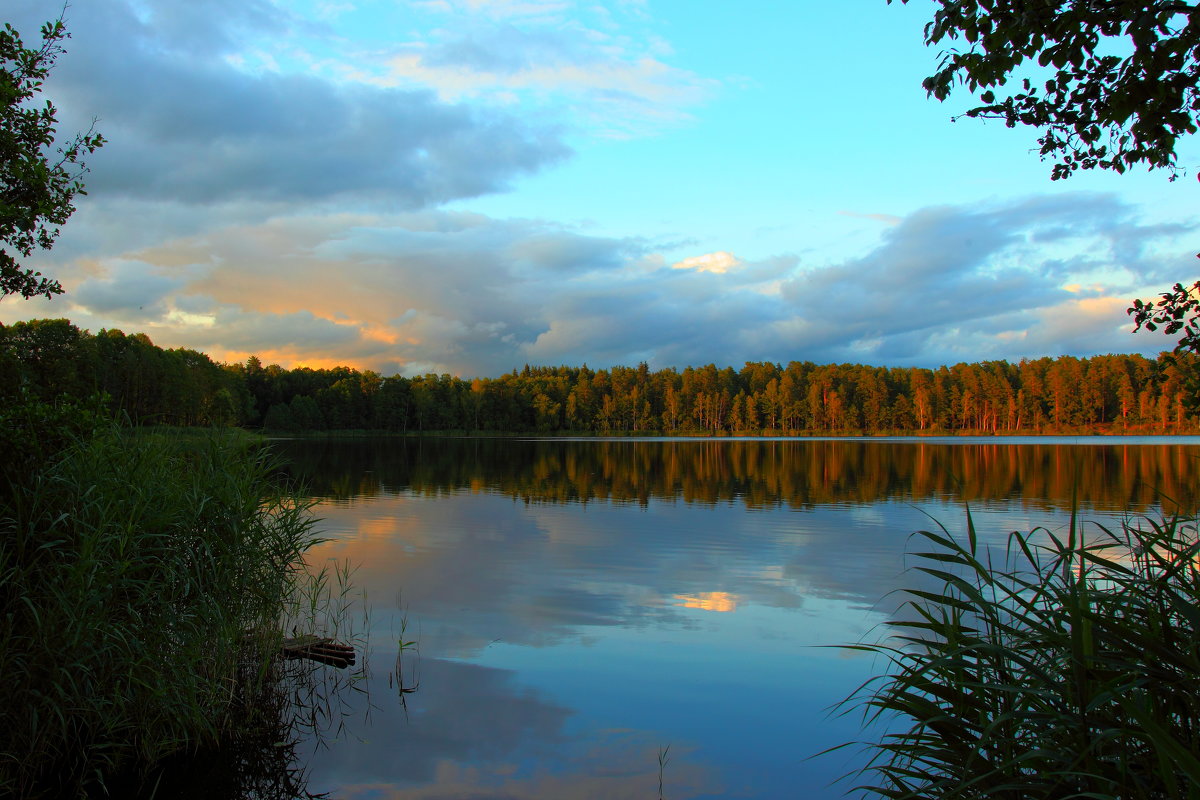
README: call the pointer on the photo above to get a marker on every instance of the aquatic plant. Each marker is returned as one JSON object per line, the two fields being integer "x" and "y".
{"x": 131, "y": 568}
{"x": 1069, "y": 669}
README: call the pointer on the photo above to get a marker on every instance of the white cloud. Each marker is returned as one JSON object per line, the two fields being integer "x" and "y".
{"x": 719, "y": 262}
{"x": 595, "y": 71}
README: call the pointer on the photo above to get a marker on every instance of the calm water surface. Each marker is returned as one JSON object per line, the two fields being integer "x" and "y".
{"x": 581, "y": 605}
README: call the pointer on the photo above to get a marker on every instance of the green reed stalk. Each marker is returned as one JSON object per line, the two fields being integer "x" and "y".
{"x": 1071, "y": 669}
{"x": 131, "y": 569}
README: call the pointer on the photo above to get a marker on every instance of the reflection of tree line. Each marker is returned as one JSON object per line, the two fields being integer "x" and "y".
{"x": 756, "y": 473}
{"x": 1066, "y": 394}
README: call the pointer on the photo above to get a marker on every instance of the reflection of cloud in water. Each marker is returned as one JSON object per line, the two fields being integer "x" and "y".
{"x": 516, "y": 741}
{"x": 490, "y": 565}
{"x": 478, "y": 568}
{"x": 383, "y": 526}
{"x": 708, "y": 601}
{"x": 867, "y": 515}
{"x": 456, "y": 781}
{"x": 460, "y": 712}
{"x": 603, "y": 605}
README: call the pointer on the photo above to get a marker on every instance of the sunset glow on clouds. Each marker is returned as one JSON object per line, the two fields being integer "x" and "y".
{"x": 719, "y": 262}
{"x": 468, "y": 186}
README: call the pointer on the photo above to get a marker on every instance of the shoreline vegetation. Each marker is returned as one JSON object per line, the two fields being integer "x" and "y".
{"x": 132, "y": 565}
{"x": 1058, "y": 665}
{"x": 149, "y": 385}
{"x": 145, "y": 576}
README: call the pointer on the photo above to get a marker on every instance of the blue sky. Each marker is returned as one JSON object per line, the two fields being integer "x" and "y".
{"x": 466, "y": 186}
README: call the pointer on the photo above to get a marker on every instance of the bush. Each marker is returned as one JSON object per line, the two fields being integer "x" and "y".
{"x": 1071, "y": 670}
{"x": 131, "y": 569}
{"x": 35, "y": 432}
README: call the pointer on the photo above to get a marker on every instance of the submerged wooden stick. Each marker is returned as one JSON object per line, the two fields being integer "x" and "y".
{"x": 315, "y": 648}
{"x": 321, "y": 650}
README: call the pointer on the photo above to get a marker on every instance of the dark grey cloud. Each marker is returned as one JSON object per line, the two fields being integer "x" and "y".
{"x": 949, "y": 269}
{"x": 666, "y": 318}
{"x": 563, "y": 251}
{"x": 130, "y": 291}
{"x": 298, "y": 330}
{"x": 946, "y": 284}
{"x": 463, "y": 293}
{"x": 185, "y": 124}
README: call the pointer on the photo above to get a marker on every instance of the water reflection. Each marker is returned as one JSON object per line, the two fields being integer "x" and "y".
{"x": 581, "y": 604}
{"x": 478, "y": 731}
{"x": 285, "y": 711}
{"x": 1122, "y": 473}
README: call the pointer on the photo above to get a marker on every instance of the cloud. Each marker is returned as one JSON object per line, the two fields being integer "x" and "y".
{"x": 440, "y": 291}
{"x": 298, "y": 212}
{"x": 594, "y": 68}
{"x": 464, "y": 293}
{"x": 130, "y": 290}
{"x": 954, "y": 283}
{"x": 248, "y": 197}
{"x": 719, "y": 262}
{"x": 185, "y": 124}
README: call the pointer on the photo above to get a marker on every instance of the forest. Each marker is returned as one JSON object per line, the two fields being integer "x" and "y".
{"x": 132, "y": 377}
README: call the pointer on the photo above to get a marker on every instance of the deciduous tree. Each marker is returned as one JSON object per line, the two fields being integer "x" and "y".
{"x": 1108, "y": 84}
{"x": 38, "y": 180}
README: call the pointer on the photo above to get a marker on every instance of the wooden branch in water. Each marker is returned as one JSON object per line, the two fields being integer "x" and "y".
{"x": 319, "y": 649}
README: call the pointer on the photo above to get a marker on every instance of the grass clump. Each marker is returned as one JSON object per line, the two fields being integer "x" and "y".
{"x": 1071, "y": 669}
{"x": 131, "y": 569}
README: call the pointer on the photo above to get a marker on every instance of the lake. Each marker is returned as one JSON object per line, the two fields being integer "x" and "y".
{"x": 579, "y": 606}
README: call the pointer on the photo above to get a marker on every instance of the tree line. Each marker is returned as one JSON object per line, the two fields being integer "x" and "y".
{"x": 149, "y": 385}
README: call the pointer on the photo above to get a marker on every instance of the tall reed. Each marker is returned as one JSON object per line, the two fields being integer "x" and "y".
{"x": 131, "y": 568}
{"x": 296, "y": 705}
{"x": 1069, "y": 669}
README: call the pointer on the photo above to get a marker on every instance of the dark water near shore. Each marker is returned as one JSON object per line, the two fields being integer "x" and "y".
{"x": 581, "y": 605}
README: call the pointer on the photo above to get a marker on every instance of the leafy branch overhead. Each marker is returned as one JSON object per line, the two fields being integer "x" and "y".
{"x": 38, "y": 180}
{"x": 1110, "y": 84}
{"x": 1176, "y": 310}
